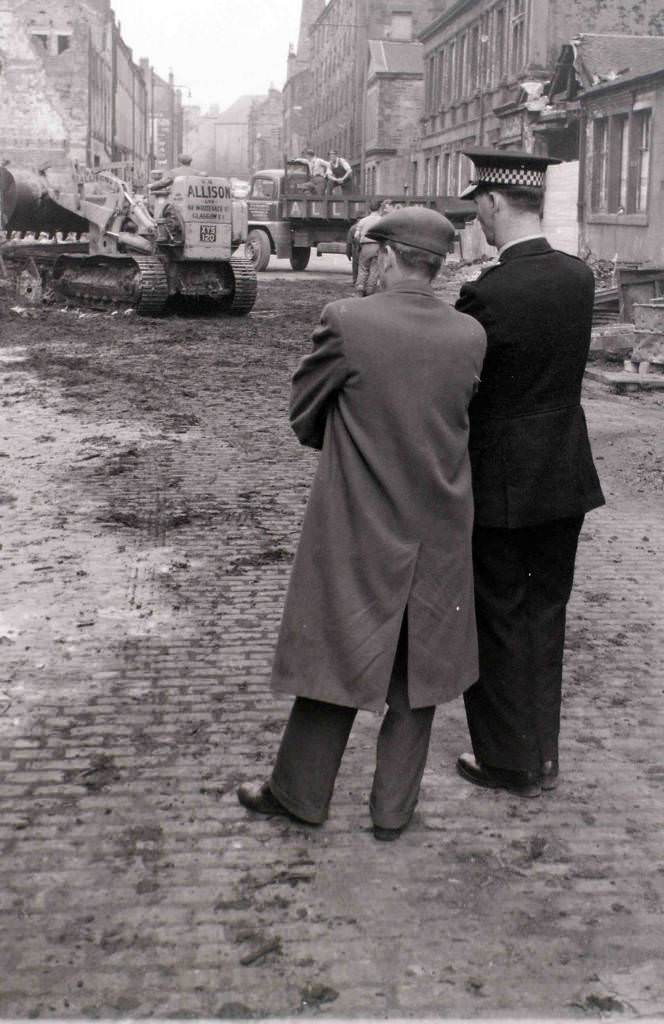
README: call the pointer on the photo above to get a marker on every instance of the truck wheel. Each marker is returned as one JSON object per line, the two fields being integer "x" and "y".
{"x": 257, "y": 248}
{"x": 300, "y": 257}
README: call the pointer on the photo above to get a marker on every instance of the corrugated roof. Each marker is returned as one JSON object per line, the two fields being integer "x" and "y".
{"x": 394, "y": 58}
{"x": 606, "y": 58}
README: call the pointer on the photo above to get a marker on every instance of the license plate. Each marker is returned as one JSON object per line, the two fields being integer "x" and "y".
{"x": 208, "y": 233}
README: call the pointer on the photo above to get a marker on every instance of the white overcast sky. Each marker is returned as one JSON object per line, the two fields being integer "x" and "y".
{"x": 218, "y": 49}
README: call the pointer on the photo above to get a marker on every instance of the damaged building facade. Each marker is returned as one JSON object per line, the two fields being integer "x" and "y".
{"x": 71, "y": 89}
{"x": 603, "y": 98}
{"x": 489, "y": 65}
{"x": 364, "y": 84}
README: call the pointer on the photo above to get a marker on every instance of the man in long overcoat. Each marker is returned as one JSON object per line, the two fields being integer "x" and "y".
{"x": 533, "y": 474}
{"x": 379, "y": 607}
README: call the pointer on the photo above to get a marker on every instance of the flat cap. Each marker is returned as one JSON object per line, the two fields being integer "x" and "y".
{"x": 505, "y": 168}
{"x": 417, "y": 227}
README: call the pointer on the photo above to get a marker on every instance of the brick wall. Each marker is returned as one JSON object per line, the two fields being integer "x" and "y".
{"x": 58, "y": 64}
{"x": 32, "y": 123}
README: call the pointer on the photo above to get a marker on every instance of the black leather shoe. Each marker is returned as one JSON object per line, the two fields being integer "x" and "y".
{"x": 387, "y": 835}
{"x": 261, "y": 800}
{"x": 549, "y": 775}
{"x": 526, "y": 784}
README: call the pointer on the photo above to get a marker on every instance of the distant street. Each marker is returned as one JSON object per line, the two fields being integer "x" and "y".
{"x": 151, "y": 495}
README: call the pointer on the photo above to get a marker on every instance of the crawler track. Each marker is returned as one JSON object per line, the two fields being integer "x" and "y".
{"x": 138, "y": 281}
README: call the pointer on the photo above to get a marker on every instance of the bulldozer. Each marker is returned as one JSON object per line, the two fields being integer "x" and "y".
{"x": 98, "y": 240}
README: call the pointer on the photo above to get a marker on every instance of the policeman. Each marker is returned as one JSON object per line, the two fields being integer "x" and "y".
{"x": 533, "y": 473}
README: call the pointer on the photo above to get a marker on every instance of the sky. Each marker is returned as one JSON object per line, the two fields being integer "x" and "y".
{"x": 218, "y": 49}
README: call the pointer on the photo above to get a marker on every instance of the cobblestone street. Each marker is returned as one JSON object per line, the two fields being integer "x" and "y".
{"x": 151, "y": 494}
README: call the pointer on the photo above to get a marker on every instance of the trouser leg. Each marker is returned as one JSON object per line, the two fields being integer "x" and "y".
{"x": 402, "y": 748}
{"x": 552, "y": 553}
{"x": 366, "y": 260}
{"x": 372, "y": 279}
{"x": 499, "y": 707}
{"x": 309, "y": 756}
{"x": 523, "y": 580}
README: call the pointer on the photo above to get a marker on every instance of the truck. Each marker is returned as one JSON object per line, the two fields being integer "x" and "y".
{"x": 287, "y": 219}
{"x": 128, "y": 248}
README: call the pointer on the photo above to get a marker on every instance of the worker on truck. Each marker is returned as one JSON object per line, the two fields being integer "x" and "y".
{"x": 340, "y": 174}
{"x": 319, "y": 169}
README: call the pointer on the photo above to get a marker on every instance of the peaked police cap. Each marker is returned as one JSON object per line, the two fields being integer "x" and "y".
{"x": 417, "y": 227}
{"x": 505, "y": 168}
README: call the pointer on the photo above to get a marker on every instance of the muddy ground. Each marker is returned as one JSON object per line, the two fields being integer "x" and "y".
{"x": 150, "y": 500}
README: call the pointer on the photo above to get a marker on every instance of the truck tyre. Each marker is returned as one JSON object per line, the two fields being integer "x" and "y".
{"x": 300, "y": 257}
{"x": 257, "y": 248}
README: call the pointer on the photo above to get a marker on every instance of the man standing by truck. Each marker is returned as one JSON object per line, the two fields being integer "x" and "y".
{"x": 367, "y": 268}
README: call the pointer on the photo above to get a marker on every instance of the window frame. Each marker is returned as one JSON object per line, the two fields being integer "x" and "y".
{"x": 619, "y": 191}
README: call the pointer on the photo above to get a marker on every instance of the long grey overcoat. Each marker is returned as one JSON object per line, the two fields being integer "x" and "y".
{"x": 384, "y": 394}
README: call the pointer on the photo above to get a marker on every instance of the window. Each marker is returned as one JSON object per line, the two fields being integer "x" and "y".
{"x": 621, "y": 162}
{"x": 618, "y": 157}
{"x": 429, "y": 84}
{"x": 600, "y": 163}
{"x": 435, "y": 88}
{"x": 473, "y": 59}
{"x": 446, "y": 174}
{"x": 641, "y": 159}
{"x": 518, "y": 36}
{"x": 40, "y": 39}
{"x": 64, "y": 42}
{"x": 484, "y": 63}
{"x": 263, "y": 188}
{"x": 451, "y": 71}
{"x": 460, "y": 67}
{"x": 442, "y": 85}
{"x": 436, "y": 175}
{"x": 499, "y": 44}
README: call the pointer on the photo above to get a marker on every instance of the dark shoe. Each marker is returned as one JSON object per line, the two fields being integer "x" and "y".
{"x": 526, "y": 784}
{"x": 549, "y": 776}
{"x": 261, "y": 800}
{"x": 387, "y": 835}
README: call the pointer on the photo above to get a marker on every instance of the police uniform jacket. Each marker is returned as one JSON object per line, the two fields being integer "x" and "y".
{"x": 529, "y": 443}
{"x": 384, "y": 395}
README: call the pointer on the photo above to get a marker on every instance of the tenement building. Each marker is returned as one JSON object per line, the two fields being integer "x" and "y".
{"x": 67, "y": 64}
{"x": 365, "y": 84}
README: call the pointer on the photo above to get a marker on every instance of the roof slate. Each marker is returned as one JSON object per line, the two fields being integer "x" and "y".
{"x": 607, "y": 58}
